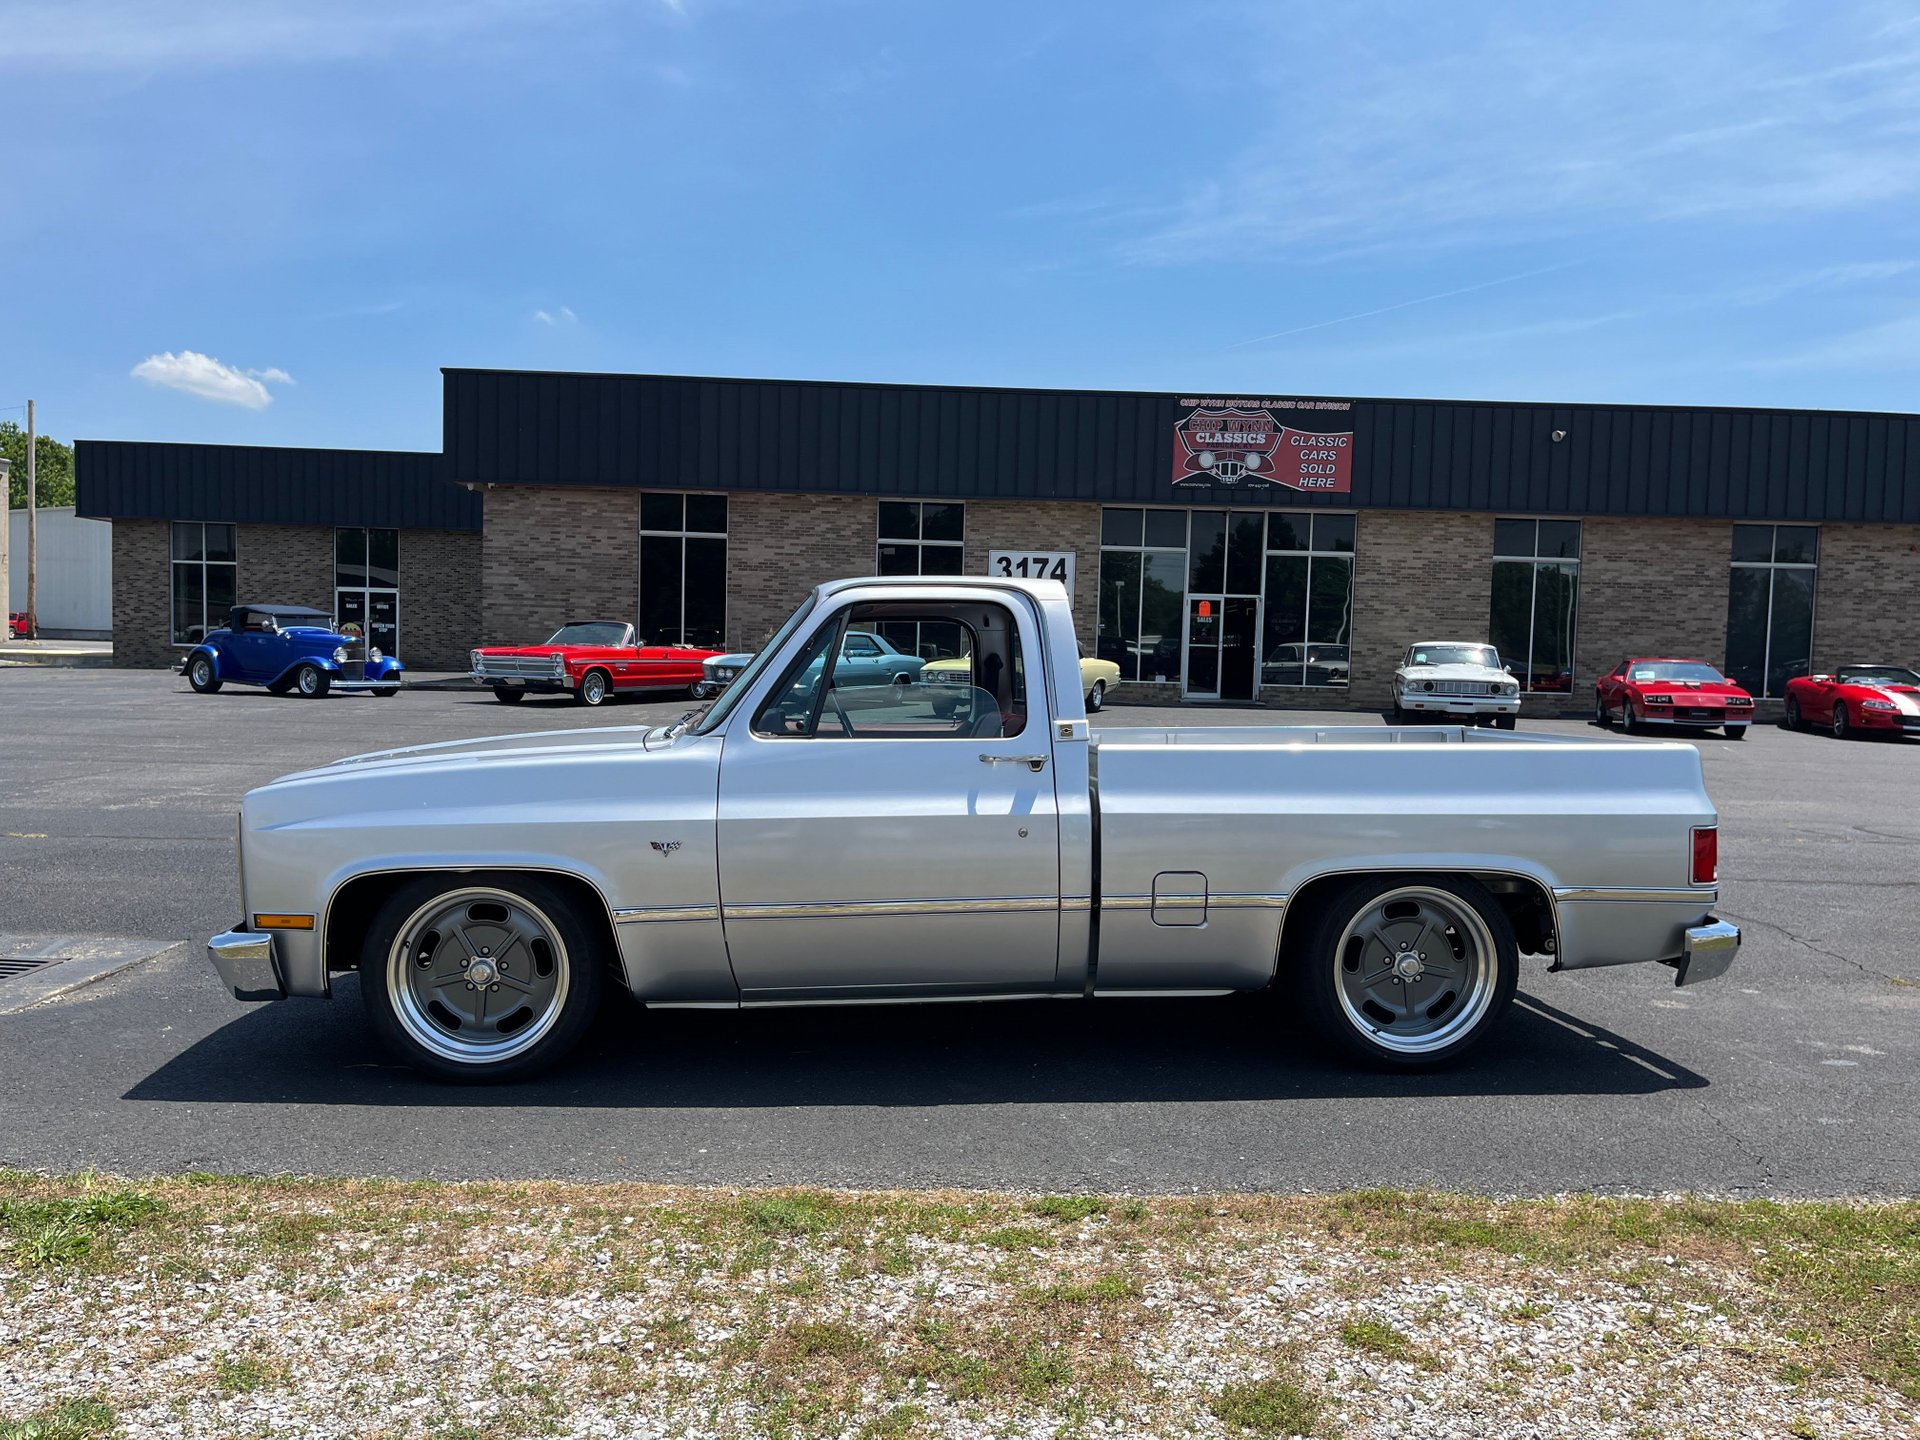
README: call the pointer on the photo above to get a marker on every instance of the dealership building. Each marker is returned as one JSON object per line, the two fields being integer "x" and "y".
{"x": 1279, "y": 549}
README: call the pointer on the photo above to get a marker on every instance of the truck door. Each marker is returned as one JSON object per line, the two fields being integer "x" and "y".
{"x": 871, "y": 844}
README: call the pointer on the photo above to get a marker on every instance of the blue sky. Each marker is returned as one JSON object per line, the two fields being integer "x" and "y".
{"x": 272, "y": 221}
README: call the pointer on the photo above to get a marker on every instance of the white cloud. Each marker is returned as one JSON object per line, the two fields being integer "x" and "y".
{"x": 1825, "y": 277}
{"x": 208, "y": 378}
{"x": 562, "y": 316}
{"x": 1474, "y": 126}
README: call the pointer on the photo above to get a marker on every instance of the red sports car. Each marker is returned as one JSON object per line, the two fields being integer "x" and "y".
{"x": 1685, "y": 694}
{"x": 592, "y": 660}
{"x": 1857, "y": 700}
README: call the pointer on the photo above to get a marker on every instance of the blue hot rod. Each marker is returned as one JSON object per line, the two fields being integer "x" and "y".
{"x": 290, "y": 649}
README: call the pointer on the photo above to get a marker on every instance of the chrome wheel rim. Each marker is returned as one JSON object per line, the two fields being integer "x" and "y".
{"x": 1099, "y": 694}
{"x": 1416, "y": 970}
{"x": 309, "y": 680}
{"x": 202, "y": 672}
{"x": 595, "y": 688}
{"x": 1840, "y": 721}
{"x": 478, "y": 976}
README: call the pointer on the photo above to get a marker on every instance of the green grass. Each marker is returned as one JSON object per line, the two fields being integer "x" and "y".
{"x": 1069, "y": 1207}
{"x": 1274, "y": 1406}
{"x": 1376, "y": 1337}
{"x": 65, "y": 1230}
{"x": 83, "y": 1419}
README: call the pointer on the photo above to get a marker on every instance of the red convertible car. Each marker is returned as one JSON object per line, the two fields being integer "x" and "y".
{"x": 591, "y": 660}
{"x": 1857, "y": 700}
{"x": 1685, "y": 694}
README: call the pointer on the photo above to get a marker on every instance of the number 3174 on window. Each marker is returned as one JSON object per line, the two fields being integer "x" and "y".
{"x": 1032, "y": 565}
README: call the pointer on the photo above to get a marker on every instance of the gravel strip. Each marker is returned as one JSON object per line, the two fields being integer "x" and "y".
{"x": 235, "y": 1308}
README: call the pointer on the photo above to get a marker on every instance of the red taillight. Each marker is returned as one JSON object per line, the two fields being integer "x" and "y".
{"x": 1706, "y": 855}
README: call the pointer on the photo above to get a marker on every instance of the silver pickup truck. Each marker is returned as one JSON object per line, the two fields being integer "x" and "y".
{"x": 803, "y": 841}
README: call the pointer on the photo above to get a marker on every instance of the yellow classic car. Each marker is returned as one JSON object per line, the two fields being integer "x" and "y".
{"x": 1096, "y": 677}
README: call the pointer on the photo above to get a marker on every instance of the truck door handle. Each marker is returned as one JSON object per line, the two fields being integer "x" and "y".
{"x": 1032, "y": 762}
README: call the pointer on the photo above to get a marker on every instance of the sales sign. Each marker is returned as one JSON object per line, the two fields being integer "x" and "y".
{"x": 1264, "y": 443}
{"x": 1032, "y": 565}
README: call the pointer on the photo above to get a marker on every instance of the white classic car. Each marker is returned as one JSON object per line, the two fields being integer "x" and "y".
{"x": 1455, "y": 677}
{"x": 800, "y": 842}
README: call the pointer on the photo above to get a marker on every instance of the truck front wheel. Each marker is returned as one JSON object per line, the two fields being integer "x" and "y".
{"x": 480, "y": 977}
{"x": 1406, "y": 971}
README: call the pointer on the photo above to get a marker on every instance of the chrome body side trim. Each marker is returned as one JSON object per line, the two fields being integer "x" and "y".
{"x": 665, "y": 914}
{"x": 1705, "y": 895}
{"x": 887, "y": 909}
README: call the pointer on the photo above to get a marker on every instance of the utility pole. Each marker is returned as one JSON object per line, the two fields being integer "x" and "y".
{"x": 33, "y": 537}
{"x": 6, "y": 534}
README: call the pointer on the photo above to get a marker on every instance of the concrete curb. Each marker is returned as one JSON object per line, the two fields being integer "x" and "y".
{"x": 81, "y": 962}
{"x": 58, "y": 659}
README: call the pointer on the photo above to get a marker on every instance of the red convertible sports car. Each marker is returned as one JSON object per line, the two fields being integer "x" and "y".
{"x": 1857, "y": 700}
{"x": 592, "y": 660}
{"x": 1686, "y": 694}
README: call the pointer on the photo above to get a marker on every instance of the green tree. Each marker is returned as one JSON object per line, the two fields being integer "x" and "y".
{"x": 53, "y": 469}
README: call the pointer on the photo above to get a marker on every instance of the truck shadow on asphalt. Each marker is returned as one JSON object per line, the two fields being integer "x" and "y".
{"x": 1115, "y": 1051}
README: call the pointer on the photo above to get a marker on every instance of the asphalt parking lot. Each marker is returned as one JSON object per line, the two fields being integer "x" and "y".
{"x": 1796, "y": 1074}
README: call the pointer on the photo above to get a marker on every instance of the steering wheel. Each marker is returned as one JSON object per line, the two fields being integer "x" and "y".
{"x": 846, "y": 725}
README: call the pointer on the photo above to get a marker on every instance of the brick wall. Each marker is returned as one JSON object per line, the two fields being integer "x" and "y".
{"x": 142, "y": 551}
{"x": 781, "y": 546}
{"x": 1650, "y": 587}
{"x": 1417, "y": 575}
{"x": 549, "y": 556}
{"x": 1864, "y": 599}
{"x": 286, "y": 565}
{"x": 439, "y": 598}
{"x": 1043, "y": 525}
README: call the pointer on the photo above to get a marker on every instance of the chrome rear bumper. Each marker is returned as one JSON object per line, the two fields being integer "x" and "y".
{"x": 247, "y": 965}
{"x": 1707, "y": 952}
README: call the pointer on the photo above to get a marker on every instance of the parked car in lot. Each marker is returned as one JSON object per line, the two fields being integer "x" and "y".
{"x": 1458, "y": 678}
{"x": 866, "y": 658}
{"x": 1858, "y": 699}
{"x": 591, "y": 660}
{"x": 16, "y": 624}
{"x": 1097, "y": 678}
{"x": 1683, "y": 694}
{"x": 803, "y": 841}
{"x": 291, "y": 650}
{"x": 1309, "y": 664}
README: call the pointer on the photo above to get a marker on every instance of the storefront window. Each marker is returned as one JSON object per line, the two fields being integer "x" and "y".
{"x": 1143, "y": 575}
{"x": 366, "y": 584}
{"x": 921, "y": 538}
{"x": 1536, "y": 595}
{"x": 202, "y": 583}
{"x": 1770, "y": 605}
{"x": 1309, "y": 600}
{"x": 683, "y": 569}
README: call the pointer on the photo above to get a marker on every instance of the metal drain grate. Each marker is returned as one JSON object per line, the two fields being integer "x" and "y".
{"x": 11, "y": 968}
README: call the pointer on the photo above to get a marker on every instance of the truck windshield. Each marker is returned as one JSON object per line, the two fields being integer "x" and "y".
{"x": 743, "y": 682}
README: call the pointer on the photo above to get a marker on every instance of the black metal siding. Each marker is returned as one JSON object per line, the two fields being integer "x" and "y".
{"x": 258, "y": 484}
{"x": 515, "y": 428}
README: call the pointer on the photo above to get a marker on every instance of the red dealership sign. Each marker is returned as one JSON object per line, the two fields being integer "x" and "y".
{"x": 1243, "y": 442}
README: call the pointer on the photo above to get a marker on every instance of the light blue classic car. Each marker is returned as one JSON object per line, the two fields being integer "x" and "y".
{"x": 289, "y": 649}
{"x": 865, "y": 659}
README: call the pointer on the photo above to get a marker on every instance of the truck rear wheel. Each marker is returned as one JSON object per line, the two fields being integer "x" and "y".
{"x": 480, "y": 977}
{"x": 1406, "y": 971}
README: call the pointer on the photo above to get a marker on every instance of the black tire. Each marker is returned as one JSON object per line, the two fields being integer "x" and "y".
{"x": 1320, "y": 973}
{"x": 1097, "y": 697}
{"x": 596, "y": 688}
{"x": 279, "y": 687}
{"x": 201, "y": 676}
{"x": 1629, "y": 722}
{"x": 1842, "y": 726}
{"x": 383, "y": 691}
{"x": 1600, "y": 716}
{"x": 1736, "y": 732}
{"x": 1506, "y": 722}
{"x": 581, "y": 958}
{"x": 1399, "y": 715}
{"x": 507, "y": 695}
{"x": 310, "y": 682}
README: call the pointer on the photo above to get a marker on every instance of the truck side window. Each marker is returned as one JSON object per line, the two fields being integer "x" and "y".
{"x": 793, "y": 709}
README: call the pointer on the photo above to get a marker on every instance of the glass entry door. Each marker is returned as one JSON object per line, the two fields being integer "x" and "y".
{"x": 376, "y": 612}
{"x": 1203, "y": 647}
{"x": 1223, "y": 650}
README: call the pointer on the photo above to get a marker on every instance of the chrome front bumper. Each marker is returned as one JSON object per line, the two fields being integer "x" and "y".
{"x": 247, "y": 965}
{"x": 1707, "y": 952}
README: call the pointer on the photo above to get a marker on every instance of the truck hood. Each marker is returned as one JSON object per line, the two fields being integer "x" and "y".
{"x": 492, "y": 751}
